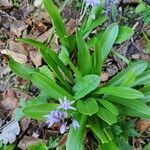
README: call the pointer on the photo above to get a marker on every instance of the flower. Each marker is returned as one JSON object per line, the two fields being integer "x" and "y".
{"x": 10, "y": 132}
{"x": 55, "y": 116}
{"x": 65, "y": 104}
{"x": 75, "y": 124}
{"x": 63, "y": 128}
{"x": 92, "y": 3}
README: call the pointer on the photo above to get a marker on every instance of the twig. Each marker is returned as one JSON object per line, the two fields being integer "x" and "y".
{"x": 7, "y": 15}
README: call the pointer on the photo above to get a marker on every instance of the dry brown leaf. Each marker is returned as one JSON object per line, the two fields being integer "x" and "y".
{"x": 142, "y": 125}
{"x": 6, "y": 3}
{"x": 36, "y": 58}
{"x": 24, "y": 123}
{"x": 28, "y": 141}
{"x": 17, "y": 47}
{"x": 62, "y": 141}
{"x": 16, "y": 56}
{"x": 10, "y": 101}
{"x": 45, "y": 36}
{"x": 17, "y": 28}
{"x": 104, "y": 76}
{"x": 71, "y": 26}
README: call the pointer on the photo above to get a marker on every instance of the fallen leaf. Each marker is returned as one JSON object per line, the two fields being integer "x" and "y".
{"x": 17, "y": 28}
{"x": 27, "y": 141}
{"x": 38, "y": 3}
{"x": 10, "y": 101}
{"x": 62, "y": 141}
{"x": 71, "y": 26}
{"x": 142, "y": 125}
{"x": 104, "y": 76}
{"x": 17, "y": 47}
{"x": 45, "y": 36}
{"x": 16, "y": 56}
{"x": 36, "y": 58}
{"x": 6, "y": 3}
{"x": 24, "y": 123}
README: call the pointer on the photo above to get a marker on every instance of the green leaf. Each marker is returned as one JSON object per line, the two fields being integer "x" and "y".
{"x": 46, "y": 71}
{"x": 140, "y": 8}
{"x": 48, "y": 86}
{"x": 84, "y": 56}
{"x": 106, "y": 115}
{"x": 97, "y": 58}
{"x": 109, "y": 146}
{"x": 18, "y": 114}
{"x": 124, "y": 34}
{"x": 88, "y": 106}
{"x": 75, "y": 137}
{"x": 50, "y": 57}
{"x": 136, "y": 67}
{"x": 66, "y": 59}
{"x": 95, "y": 11}
{"x": 124, "y": 92}
{"x": 38, "y": 111}
{"x": 57, "y": 21}
{"x": 95, "y": 23}
{"x": 109, "y": 106}
{"x": 120, "y": 57}
{"x": 39, "y": 146}
{"x": 85, "y": 85}
{"x": 21, "y": 70}
{"x": 108, "y": 39}
{"x": 129, "y": 80}
{"x": 132, "y": 112}
{"x": 146, "y": 91}
{"x": 143, "y": 79}
{"x": 96, "y": 126}
{"x": 137, "y": 105}
{"x": 98, "y": 36}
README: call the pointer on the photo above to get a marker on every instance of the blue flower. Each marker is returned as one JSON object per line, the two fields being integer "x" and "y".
{"x": 54, "y": 117}
{"x": 75, "y": 124}
{"x": 65, "y": 104}
{"x": 92, "y": 3}
{"x": 63, "y": 128}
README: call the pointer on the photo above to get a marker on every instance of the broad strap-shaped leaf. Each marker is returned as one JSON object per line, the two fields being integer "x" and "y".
{"x": 88, "y": 106}
{"x": 124, "y": 92}
{"x": 106, "y": 115}
{"x": 124, "y": 34}
{"x": 143, "y": 79}
{"x": 85, "y": 85}
{"x": 97, "y": 128}
{"x": 98, "y": 36}
{"x": 49, "y": 56}
{"x": 21, "y": 70}
{"x": 132, "y": 112}
{"x": 57, "y": 21}
{"x": 129, "y": 80}
{"x": 146, "y": 91}
{"x": 38, "y": 111}
{"x": 49, "y": 86}
{"x": 108, "y": 39}
{"x": 67, "y": 60}
{"x": 137, "y": 105}
{"x": 46, "y": 71}
{"x": 84, "y": 57}
{"x": 95, "y": 23}
{"x": 95, "y": 11}
{"x": 136, "y": 67}
{"x": 109, "y": 106}
{"x": 75, "y": 137}
{"x": 97, "y": 58}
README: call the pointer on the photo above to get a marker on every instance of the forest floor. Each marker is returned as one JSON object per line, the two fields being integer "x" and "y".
{"x": 27, "y": 18}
